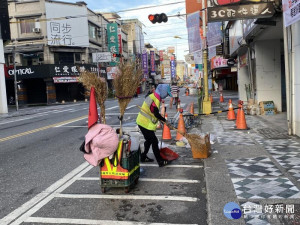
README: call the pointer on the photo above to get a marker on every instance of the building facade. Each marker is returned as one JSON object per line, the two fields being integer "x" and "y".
{"x": 134, "y": 29}
{"x": 51, "y": 43}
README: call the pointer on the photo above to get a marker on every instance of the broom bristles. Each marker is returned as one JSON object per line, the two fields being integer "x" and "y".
{"x": 89, "y": 79}
{"x": 126, "y": 82}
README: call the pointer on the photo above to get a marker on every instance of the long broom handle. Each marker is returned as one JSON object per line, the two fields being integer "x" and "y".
{"x": 170, "y": 126}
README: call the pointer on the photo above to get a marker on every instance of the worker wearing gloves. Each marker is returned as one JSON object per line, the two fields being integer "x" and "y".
{"x": 147, "y": 120}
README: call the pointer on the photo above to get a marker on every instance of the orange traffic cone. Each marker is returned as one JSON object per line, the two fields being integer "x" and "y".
{"x": 238, "y": 112}
{"x": 221, "y": 97}
{"x": 166, "y": 131}
{"x": 230, "y": 114}
{"x": 181, "y": 127}
{"x": 192, "y": 108}
{"x": 178, "y": 105}
{"x": 241, "y": 120}
{"x": 162, "y": 112}
{"x": 211, "y": 99}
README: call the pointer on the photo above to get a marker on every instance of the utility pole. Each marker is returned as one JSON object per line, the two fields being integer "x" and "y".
{"x": 15, "y": 81}
{"x": 206, "y": 101}
{"x": 3, "y": 98}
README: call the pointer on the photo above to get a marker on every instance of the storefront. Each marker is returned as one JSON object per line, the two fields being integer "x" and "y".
{"x": 223, "y": 75}
{"x": 48, "y": 83}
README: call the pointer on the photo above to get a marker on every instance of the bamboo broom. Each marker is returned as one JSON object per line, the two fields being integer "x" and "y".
{"x": 126, "y": 82}
{"x": 89, "y": 79}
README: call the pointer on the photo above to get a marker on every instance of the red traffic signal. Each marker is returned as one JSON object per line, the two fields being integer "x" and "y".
{"x": 151, "y": 18}
{"x": 158, "y": 18}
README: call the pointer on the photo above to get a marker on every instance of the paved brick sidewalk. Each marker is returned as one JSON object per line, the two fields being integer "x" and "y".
{"x": 257, "y": 168}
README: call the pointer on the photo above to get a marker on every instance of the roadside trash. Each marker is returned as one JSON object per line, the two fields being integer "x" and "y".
{"x": 180, "y": 144}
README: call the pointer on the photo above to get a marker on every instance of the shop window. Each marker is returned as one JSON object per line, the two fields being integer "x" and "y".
{"x": 27, "y": 25}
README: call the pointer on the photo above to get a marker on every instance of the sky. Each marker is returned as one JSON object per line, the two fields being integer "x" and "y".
{"x": 160, "y": 35}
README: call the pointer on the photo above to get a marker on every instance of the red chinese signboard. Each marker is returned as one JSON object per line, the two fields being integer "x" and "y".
{"x": 218, "y": 62}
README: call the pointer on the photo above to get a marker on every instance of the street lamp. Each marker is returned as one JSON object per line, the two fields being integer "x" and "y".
{"x": 177, "y": 37}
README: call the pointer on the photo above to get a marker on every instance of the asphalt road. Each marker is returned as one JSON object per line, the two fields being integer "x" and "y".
{"x": 45, "y": 179}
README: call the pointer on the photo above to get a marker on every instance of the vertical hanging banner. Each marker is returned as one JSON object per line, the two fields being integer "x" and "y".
{"x": 193, "y": 27}
{"x": 120, "y": 40}
{"x": 173, "y": 69}
{"x": 161, "y": 55}
{"x": 212, "y": 52}
{"x": 198, "y": 57}
{"x": 113, "y": 43}
{"x": 152, "y": 62}
{"x": 291, "y": 11}
{"x": 214, "y": 34}
{"x": 145, "y": 64}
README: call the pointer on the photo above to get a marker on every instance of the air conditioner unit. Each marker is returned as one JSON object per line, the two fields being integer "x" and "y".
{"x": 36, "y": 30}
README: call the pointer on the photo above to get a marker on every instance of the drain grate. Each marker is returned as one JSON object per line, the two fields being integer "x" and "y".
{"x": 272, "y": 133}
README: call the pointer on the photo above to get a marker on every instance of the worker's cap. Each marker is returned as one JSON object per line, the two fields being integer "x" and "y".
{"x": 163, "y": 90}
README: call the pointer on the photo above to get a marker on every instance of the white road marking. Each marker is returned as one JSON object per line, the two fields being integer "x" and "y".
{"x": 42, "y": 196}
{"x": 129, "y": 107}
{"x": 118, "y": 114}
{"x": 91, "y": 222}
{"x": 150, "y": 180}
{"x": 174, "y": 166}
{"x": 133, "y": 197}
{"x": 43, "y": 202}
{"x": 116, "y": 125}
{"x": 35, "y": 116}
{"x": 51, "y": 111}
{"x": 112, "y": 107}
{"x": 71, "y": 126}
{"x": 170, "y": 180}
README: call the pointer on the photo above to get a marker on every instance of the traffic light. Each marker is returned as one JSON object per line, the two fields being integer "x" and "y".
{"x": 116, "y": 55}
{"x": 4, "y": 21}
{"x": 158, "y": 18}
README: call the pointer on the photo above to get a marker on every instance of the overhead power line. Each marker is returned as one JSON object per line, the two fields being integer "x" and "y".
{"x": 80, "y": 16}
{"x": 160, "y": 37}
{"x": 147, "y": 7}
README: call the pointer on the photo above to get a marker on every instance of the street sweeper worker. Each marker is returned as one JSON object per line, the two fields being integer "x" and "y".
{"x": 147, "y": 120}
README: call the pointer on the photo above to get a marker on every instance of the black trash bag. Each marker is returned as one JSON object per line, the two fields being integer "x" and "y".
{"x": 81, "y": 148}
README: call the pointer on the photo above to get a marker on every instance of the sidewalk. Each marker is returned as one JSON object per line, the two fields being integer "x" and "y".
{"x": 254, "y": 168}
